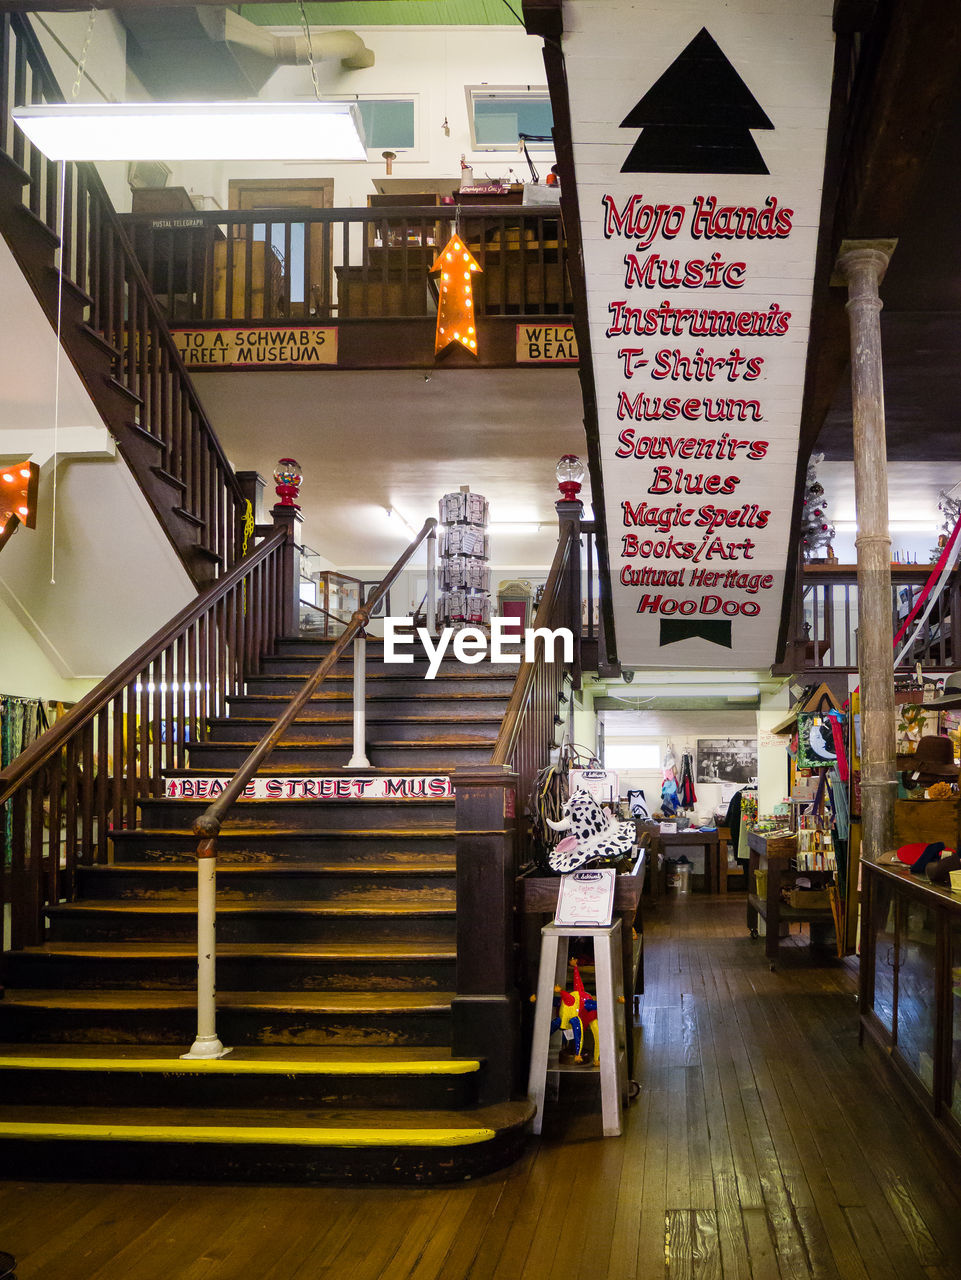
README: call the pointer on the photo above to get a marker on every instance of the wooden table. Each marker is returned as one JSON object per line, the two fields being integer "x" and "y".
{"x": 709, "y": 841}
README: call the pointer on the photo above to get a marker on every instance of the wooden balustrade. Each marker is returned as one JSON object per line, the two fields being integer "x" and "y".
{"x": 87, "y": 774}
{"x": 280, "y": 265}
{"x": 491, "y": 825}
{"x": 161, "y": 426}
{"x": 824, "y": 618}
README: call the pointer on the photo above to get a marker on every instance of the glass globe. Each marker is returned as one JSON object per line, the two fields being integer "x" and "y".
{"x": 287, "y": 471}
{"x": 288, "y": 476}
{"x": 570, "y": 473}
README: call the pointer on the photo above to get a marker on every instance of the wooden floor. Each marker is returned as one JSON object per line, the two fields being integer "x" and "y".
{"x": 761, "y": 1146}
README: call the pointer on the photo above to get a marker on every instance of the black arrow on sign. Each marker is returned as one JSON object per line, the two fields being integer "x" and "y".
{"x": 674, "y": 629}
{"x": 697, "y": 117}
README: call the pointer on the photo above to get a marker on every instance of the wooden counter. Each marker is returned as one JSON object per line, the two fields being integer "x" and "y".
{"x": 910, "y": 999}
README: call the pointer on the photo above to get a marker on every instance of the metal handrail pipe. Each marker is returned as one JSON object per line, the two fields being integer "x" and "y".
{"x": 208, "y": 825}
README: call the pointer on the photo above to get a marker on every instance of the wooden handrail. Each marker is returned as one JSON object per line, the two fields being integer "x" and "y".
{"x": 207, "y": 826}
{"x": 48, "y": 744}
{"x": 514, "y": 715}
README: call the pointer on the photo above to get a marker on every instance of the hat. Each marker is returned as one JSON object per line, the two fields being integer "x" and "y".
{"x": 939, "y": 871}
{"x": 950, "y": 694}
{"x": 935, "y": 755}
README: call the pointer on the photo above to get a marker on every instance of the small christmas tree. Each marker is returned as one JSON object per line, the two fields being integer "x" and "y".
{"x": 951, "y": 507}
{"x": 817, "y": 531}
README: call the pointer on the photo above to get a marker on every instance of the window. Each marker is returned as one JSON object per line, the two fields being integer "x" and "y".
{"x": 632, "y": 755}
{"x": 499, "y": 116}
{"x": 388, "y": 123}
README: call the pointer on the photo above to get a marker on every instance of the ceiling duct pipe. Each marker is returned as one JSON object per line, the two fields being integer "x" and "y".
{"x": 243, "y": 36}
{"x": 215, "y": 53}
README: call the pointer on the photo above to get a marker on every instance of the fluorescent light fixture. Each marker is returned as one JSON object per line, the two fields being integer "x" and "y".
{"x": 195, "y": 130}
{"x": 515, "y": 526}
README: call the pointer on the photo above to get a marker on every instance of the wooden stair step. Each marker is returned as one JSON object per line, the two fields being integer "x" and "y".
{"x": 311, "y": 1145}
{"x": 304, "y": 1002}
{"x": 399, "y": 950}
{"x": 127, "y": 881}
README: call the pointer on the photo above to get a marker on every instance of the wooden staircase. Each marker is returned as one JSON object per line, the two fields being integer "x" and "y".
{"x": 336, "y": 963}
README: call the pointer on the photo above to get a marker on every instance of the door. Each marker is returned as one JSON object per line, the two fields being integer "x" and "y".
{"x": 304, "y": 259}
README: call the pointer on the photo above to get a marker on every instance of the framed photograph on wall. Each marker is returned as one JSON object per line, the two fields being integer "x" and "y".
{"x": 726, "y": 760}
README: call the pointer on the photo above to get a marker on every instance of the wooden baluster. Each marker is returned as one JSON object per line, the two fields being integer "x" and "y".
{"x": 35, "y": 869}
{"x": 18, "y": 867}
{"x": 128, "y": 698}
{"x": 247, "y": 306}
{"x": 180, "y": 720}
{"x": 203, "y": 676}
{"x": 54, "y": 789}
{"x": 117, "y": 750}
{"x": 19, "y": 98}
{"x": 288, "y": 271}
{"x": 6, "y": 53}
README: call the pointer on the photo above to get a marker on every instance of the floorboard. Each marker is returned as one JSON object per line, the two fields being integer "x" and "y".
{"x": 763, "y": 1146}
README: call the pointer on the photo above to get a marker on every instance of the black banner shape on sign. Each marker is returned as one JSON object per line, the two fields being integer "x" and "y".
{"x": 715, "y": 632}
{"x": 697, "y": 117}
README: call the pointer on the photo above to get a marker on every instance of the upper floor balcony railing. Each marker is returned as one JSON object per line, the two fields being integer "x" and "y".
{"x": 328, "y": 265}
{"x": 825, "y": 619}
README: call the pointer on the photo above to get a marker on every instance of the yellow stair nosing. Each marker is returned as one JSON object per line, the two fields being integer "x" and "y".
{"x": 222, "y": 1134}
{"x": 177, "y": 1066}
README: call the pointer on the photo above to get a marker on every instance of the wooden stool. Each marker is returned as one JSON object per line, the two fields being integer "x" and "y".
{"x": 611, "y": 1024}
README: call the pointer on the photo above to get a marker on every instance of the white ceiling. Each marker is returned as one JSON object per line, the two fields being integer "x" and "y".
{"x": 367, "y": 441}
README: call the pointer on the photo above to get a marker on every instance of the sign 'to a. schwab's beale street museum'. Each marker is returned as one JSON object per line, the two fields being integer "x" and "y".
{"x": 699, "y": 133}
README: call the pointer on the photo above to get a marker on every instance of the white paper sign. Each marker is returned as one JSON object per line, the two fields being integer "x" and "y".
{"x": 586, "y": 898}
{"x": 600, "y": 783}
{"x": 310, "y": 787}
{"x": 699, "y": 132}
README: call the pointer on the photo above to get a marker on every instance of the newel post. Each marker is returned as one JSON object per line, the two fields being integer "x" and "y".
{"x": 861, "y": 266}
{"x": 486, "y": 1009}
{"x": 289, "y": 518}
{"x": 571, "y": 514}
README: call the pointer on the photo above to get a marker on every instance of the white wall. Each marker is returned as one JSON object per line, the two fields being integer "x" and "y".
{"x": 434, "y": 65}
{"x": 62, "y": 37}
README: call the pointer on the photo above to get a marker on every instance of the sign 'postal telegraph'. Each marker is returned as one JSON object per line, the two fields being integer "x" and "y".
{"x": 699, "y": 140}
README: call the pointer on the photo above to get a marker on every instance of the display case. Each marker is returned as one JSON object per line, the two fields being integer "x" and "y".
{"x": 338, "y": 598}
{"x": 910, "y": 997}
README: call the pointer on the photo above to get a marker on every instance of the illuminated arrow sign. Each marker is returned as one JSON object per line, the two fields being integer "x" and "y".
{"x": 455, "y": 306}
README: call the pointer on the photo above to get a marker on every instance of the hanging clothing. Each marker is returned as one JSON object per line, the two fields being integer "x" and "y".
{"x": 22, "y": 720}
{"x": 685, "y": 788}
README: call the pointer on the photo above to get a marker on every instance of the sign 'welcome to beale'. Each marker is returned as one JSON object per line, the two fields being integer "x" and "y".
{"x": 699, "y": 132}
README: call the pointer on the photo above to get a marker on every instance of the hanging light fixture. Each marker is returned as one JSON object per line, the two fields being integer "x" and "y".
{"x": 253, "y": 130}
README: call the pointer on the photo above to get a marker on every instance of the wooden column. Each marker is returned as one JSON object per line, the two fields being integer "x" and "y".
{"x": 861, "y": 265}
{"x": 486, "y": 1010}
{"x": 290, "y": 519}
{"x": 252, "y": 485}
{"x": 571, "y": 513}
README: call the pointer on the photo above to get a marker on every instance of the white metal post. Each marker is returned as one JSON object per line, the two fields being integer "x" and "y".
{"x": 359, "y": 759}
{"x": 432, "y": 582}
{"x": 207, "y": 1044}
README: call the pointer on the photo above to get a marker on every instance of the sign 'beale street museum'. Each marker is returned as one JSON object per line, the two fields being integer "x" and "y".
{"x": 699, "y": 133}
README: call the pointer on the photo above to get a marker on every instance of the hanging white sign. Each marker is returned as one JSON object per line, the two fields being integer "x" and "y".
{"x": 699, "y": 139}
{"x": 310, "y": 787}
